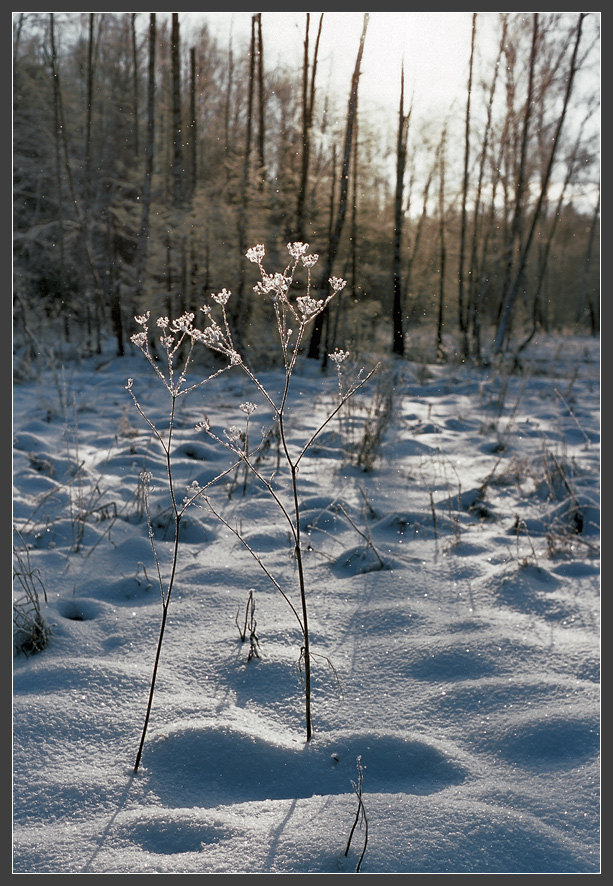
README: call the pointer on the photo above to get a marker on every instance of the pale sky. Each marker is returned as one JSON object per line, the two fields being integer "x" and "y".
{"x": 435, "y": 46}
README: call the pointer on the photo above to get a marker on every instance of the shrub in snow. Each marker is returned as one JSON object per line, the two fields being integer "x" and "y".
{"x": 30, "y": 630}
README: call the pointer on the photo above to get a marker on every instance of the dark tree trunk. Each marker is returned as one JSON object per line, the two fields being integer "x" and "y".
{"x": 135, "y": 104}
{"x": 261, "y": 101}
{"x": 475, "y": 282}
{"x": 401, "y": 154}
{"x": 89, "y": 110}
{"x": 228, "y": 101}
{"x": 80, "y": 213}
{"x": 113, "y": 284}
{"x": 169, "y": 276}
{"x": 238, "y": 307}
{"x": 143, "y": 236}
{"x": 539, "y": 315}
{"x": 177, "y": 135}
{"x": 462, "y": 316}
{"x": 308, "y": 99}
{"x": 513, "y": 241}
{"x": 585, "y": 297}
{"x": 193, "y": 125}
{"x": 440, "y": 351}
{"x": 314, "y": 344}
{"x": 57, "y": 117}
{"x": 508, "y": 305}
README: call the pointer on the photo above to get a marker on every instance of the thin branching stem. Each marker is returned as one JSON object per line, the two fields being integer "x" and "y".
{"x": 257, "y": 558}
{"x": 218, "y": 338}
{"x": 360, "y": 816}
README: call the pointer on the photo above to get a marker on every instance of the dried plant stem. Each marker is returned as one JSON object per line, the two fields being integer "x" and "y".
{"x": 175, "y": 390}
{"x": 290, "y": 315}
{"x": 360, "y": 816}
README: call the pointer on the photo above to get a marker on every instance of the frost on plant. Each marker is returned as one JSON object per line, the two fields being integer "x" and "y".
{"x": 293, "y": 314}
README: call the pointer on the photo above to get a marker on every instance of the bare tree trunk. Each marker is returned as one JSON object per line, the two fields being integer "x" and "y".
{"x": 538, "y": 315}
{"x": 440, "y": 351}
{"x": 57, "y": 117}
{"x": 401, "y": 155}
{"x": 503, "y": 325}
{"x": 239, "y": 312}
{"x": 113, "y": 284}
{"x": 475, "y": 281}
{"x": 228, "y": 102}
{"x": 462, "y": 316}
{"x": 354, "y": 216}
{"x": 193, "y": 274}
{"x": 135, "y": 105}
{"x": 169, "y": 276}
{"x": 513, "y": 238}
{"x": 261, "y": 101}
{"x": 193, "y": 124}
{"x": 80, "y": 215}
{"x": 89, "y": 110}
{"x": 585, "y": 298}
{"x": 308, "y": 99}
{"x": 332, "y": 193}
{"x": 316, "y": 335}
{"x": 177, "y": 135}
{"x": 143, "y": 236}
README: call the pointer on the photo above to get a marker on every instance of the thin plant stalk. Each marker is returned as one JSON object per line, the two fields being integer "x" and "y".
{"x": 218, "y": 337}
{"x": 175, "y": 389}
{"x": 360, "y": 816}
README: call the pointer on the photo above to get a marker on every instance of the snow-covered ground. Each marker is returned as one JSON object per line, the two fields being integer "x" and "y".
{"x": 454, "y": 605}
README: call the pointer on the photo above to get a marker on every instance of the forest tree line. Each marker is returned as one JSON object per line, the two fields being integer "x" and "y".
{"x": 148, "y": 158}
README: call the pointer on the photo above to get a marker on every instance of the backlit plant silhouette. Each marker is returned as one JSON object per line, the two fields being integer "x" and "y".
{"x": 293, "y": 314}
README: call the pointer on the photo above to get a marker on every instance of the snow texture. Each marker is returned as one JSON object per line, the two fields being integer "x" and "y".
{"x": 454, "y": 594}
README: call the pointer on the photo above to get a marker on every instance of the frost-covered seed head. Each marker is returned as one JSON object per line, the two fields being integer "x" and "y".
{"x": 212, "y": 336}
{"x": 248, "y": 408}
{"x": 278, "y": 284}
{"x": 143, "y": 319}
{"x": 308, "y": 306}
{"x": 256, "y": 253}
{"x": 297, "y": 249}
{"x": 234, "y": 434}
{"x": 139, "y": 339}
{"x": 184, "y": 323}
{"x": 266, "y": 284}
{"x": 309, "y": 260}
{"x": 222, "y": 297}
{"x": 339, "y": 356}
{"x": 281, "y": 283}
{"x": 337, "y": 283}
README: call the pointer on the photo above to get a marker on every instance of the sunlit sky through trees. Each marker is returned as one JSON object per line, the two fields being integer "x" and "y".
{"x": 434, "y": 47}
